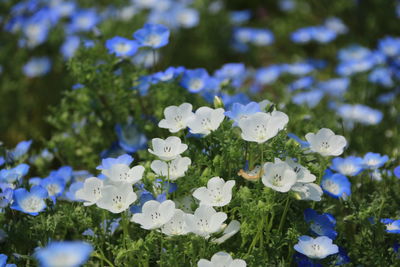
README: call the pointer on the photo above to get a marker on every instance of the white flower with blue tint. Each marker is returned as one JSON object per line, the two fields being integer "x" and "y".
{"x": 230, "y": 230}
{"x": 221, "y": 259}
{"x": 374, "y": 161}
{"x": 177, "y": 224}
{"x": 308, "y": 191}
{"x": 360, "y": 114}
{"x": 205, "y": 221}
{"x": 239, "y": 111}
{"x": 64, "y": 254}
{"x": 121, "y": 47}
{"x": 260, "y": 127}
{"x": 35, "y": 31}
{"x": 177, "y": 117}
{"x": 336, "y": 185}
{"x": 155, "y": 214}
{"x": 122, "y": 173}
{"x": 206, "y": 120}
{"x": 186, "y": 17}
{"x": 218, "y": 193}
{"x": 316, "y": 248}
{"x": 37, "y": 66}
{"x": 152, "y": 35}
{"x": 350, "y": 166}
{"x": 30, "y": 202}
{"x": 107, "y": 163}
{"x": 326, "y": 143}
{"x": 90, "y": 193}
{"x": 116, "y": 198}
{"x": 195, "y": 80}
{"x": 167, "y": 149}
{"x": 392, "y": 226}
{"x": 278, "y": 176}
{"x": 174, "y": 169}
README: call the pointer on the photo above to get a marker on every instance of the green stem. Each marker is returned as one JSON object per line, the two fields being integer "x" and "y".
{"x": 102, "y": 257}
{"x": 283, "y": 218}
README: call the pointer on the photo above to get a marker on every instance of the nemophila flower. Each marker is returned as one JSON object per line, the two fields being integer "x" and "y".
{"x": 91, "y": 191}
{"x": 167, "y": 149}
{"x": 298, "y": 68}
{"x": 2, "y": 161}
{"x": 307, "y": 191}
{"x": 390, "y": 46}
{"x": 279, "y": 176}
{"x": 381, "y": 76}
{"x": 230, "y": 230}
{"x": 221, "y": 259}
{"x": 336, "y": 25}
{"x": 70, "y": 195}
{"x": 152, "y": 35}
{"x": 167, "y": 75}
{"x": 316, "y": 248}
{"x": 334, "y": 87}
{"x": 260, "y": 127}
{"x": 321, "y": 224}
{"x": 21, "y": 149}
{"x": 121, "y": 46}
{"x": 303, "y": 175}
{"x": 3, "y": 261}
{"x": 35, "y": 31}
{"x": 186, "y": 17}
{"x": 14, "y": 174}
{"x": 326, "y": 143}
{"x": 64, "y": 254}
{"x": 267, "y": 75}
{"x": 64, "y": 172}
{"x": 174, "y": 169}
{"x": 239, "y": 111}
{"x": 304, "y": 261}
{"x": 341, "y": 258}
{"x": 350, "y": 166}
{"x": 30, "y": 202}
{"x": 205, "y": 221}
{"x": 83, "y": 20}
{"x": 176, "y": 225}
{"x": 302, "y": 83}
{"x": 116, "y": 198}
{"x": 239, "y": 16}
{"x": 130, "y": 138}
{"x": 107, "y": 163}
{"x": 122, "y": 173}
{"x": 336, "y": 185}
{"x": 360, "y": 114}
{"x": 70, "y": 46}
{"x": 218, "y": 193}
{"x": 392, "y": 226}
{"x": 206, "y": 120}
{"x": 6, "y": 195}
{"x": 229, "y": 100}
{"x": 310, "y": 98}
{"x": 302, "y": 35}
{"x": 374, "y": 161}
{"x": 397, "y": 171}
{"x": 195, "y": 80}
{"x": 54, "y": 186}
{"x": 154, "y": 214}
{"x": 37, "y": 66}
{"x": 177, "y": 117}
{"x": 262, "y": 37}
{"x": 234, "y": 72}
{"x": 323, "y": 34}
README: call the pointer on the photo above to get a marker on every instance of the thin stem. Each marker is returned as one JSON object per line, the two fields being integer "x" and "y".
{"x": 102, "y": 257}
{"x": 283, "y": 218}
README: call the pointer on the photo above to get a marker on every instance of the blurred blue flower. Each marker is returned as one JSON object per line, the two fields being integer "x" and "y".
{"x": 64, "y": 173}
{"x": 350, "y": 166}
{"x": 267, "y": 75}
{"x": 298, "y": 68}
{"x": 37, "y": 66}
{"x": 229, "y": 100}
{"x": 122, "y": 47}
{"x": 30, "y": 202}
{"x": 392, "y": 226}
{"x": 152, "y": 35}
{"x": 239, "y": 111}
{"x": 390, "y": 46}
{"x": 336, "y": 24}
{"x": 341, "y": 258}
{"x": 195, "y": 80}
{"x": 14, "y": 174}
{"x": 64, "y": 253}
{"x": 129, "y": 137}
{"x": 3, "y": 261}
{"x": 301, "y": 83}
{"x": 70, "y": 194}
{"x": 169, "y": 74}
{"x": 83, "y": 20}
{"x": 6, "y": 195}
{"x": 302, "y": 143}
{"x": 310, "y": 98}
{"x": 240, "y": 16}
{"x": 359, "y": 113}
{"x": 69, "y": 47}
{"x": 381, "y": 76}
{"x": 334, "y": 87}
{"x": 374, "y": 161}
{"x": 397, "y": 171}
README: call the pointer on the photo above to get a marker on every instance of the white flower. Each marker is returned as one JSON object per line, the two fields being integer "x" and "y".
{"x": 326, "y": 143}
{"x": 218, "y": 193}
{"x": 167, "y": 149}
{"x": 302, "y": 173}
{"x": 232, "y": 228}
{"x": 205, "y": 221}
{"x": 308, "y": 191}
{"x": 206, "y": 120}
{"x": 279, "y": 176}
{"x": 116, "y": 198}
{"x": 122, "y": 173}
{"x": 154, "y": 214}
{"x": 318, "y": 248}
{"x": 260, "y": 127}
{"x": 221, "y": 259}
{"x": 91, "y": 191}
{"x": 177, "y": 225}
{"x": 177, "y": 167}
{"x": 177, "y": 118}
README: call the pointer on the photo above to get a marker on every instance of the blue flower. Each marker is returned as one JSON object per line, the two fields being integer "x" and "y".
{"x": 239, "y": 111}
{"x": 304, "y": 261}
{"x": 381, "y": 76}
{"x": 143, "y": 84}
{"x": 14, "y": 174}
{"x": 54, "y": 186}
{"x": 169, "y": 74}
{"x": 3, "y": 261}
{"x": 84, "y": 20}
{"x": 321, "y": 224}
{"x": 374, "y": 161}
{"x": 334, "y": 87}
{"x": 70, "y": 46}
{"x": 323, "y": 34}
{"x": 397, "y": 171}
{"x": 2, "y": 161}
{"x": 64, "y": 253}
{"x": 21, "y": 149}
{"x": 310, "y": 98}
{"x": 350, "y": 166}
{"x": 301, "y": 36}
{"x": 37, "y": 66}
{"x": 267, "y": 75}
{"x": 302, "y": 83}
{"x": 129, "y": 137}
{"x": 336, "y": 185}
{"x": 229, "y": 100}
{"x": 298, "y": 68}
{"x": 392, "y": 226}
{"x": 195, "y": 80}
{"x": 108, "y": 162}
{"x": 359, "y": 113}
{"x": 64, "y": 172}
{"x": 6, "y": 195}
{"x": 145, "y": 196}
{"x": 152, "y": 35}
{"x": 30, "y": 202}
{"x": 262, "y": 37}
{"x": 35, "y": 31}
{"x": 341, "y": 258}
{"x": 70, "y": 194}
{"x": 302, "y": 143}
{"x": 231, "y": 72}
{"x": 122, "y": 47}
{"x": 390, "y": 46}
